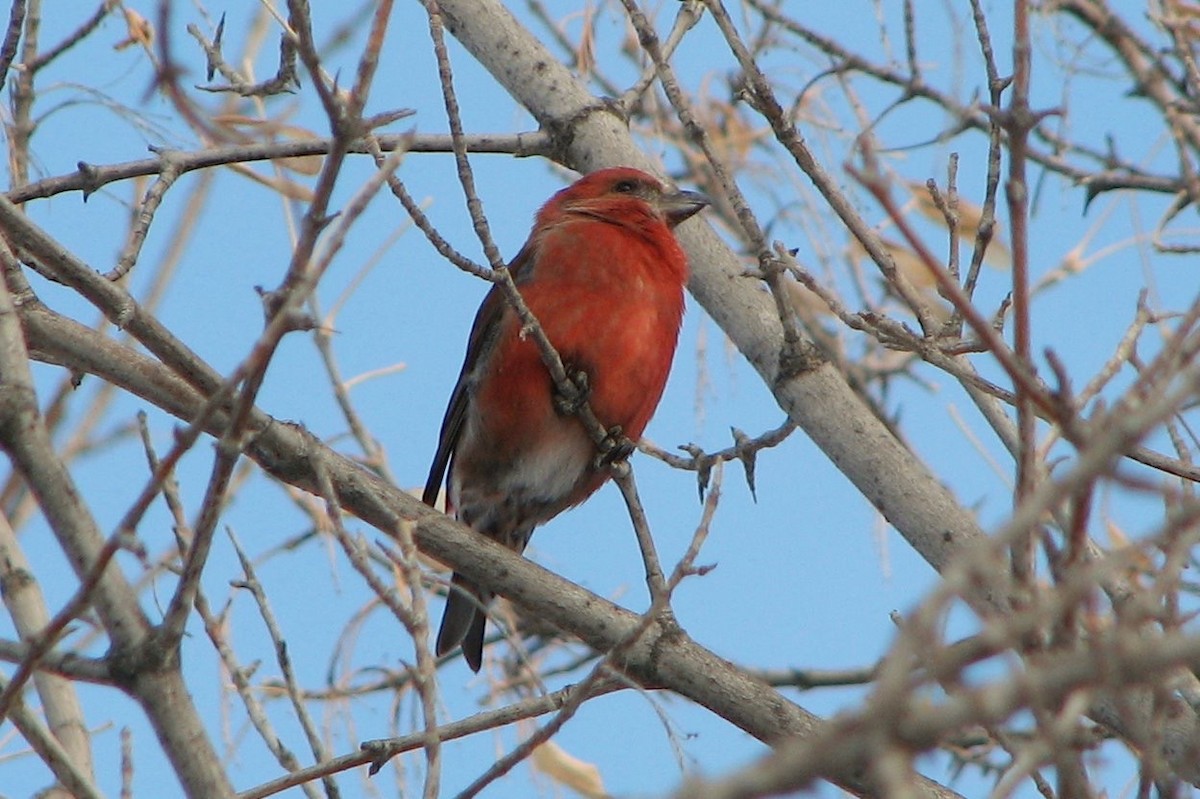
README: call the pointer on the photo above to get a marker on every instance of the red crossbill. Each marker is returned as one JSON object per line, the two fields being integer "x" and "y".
{"x": 604, "y": 275}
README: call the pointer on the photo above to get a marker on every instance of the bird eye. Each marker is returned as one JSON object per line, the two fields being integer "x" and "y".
{"x": 625, "y": 187}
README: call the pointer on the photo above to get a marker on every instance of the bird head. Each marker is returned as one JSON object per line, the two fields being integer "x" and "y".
{"x": 622, "y": 189}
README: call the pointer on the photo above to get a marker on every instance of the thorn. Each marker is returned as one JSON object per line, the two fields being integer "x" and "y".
{"x": 91, "y": 176}
{"x": 212, "y": 64}
{"x": 703, "y": 464}
{"x": 747, "y": 455}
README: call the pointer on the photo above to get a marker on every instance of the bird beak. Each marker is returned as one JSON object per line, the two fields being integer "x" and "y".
{"x": 678, "y": 206}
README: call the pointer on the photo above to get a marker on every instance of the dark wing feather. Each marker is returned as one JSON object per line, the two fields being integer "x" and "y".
{"x": 483, "y": 337}
{"x": 451, "y": 426}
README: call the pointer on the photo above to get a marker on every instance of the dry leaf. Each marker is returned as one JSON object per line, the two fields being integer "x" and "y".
{"x": 1183, "y": 8}
{"x": 272, "y": 128}
{"x": 565, "y": 769}
{"x": 1117, "y": 539}
{"x": 970, "y": 216}
{"x": 910, "y": 265}
{"x": 1072, "y": 263}
{"x": 803, "y": 300}
{"x": 1119, "y": 542}
{"x": 139, "y": 29}
{"x": 585, "y": 53}
{"x": 729, "y": 130}
{"x": 288, "y": 188}
{"x": 1183, "y": 15}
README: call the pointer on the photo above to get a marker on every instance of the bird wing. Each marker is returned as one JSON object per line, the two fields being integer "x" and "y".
{"x": 484, "y": 332}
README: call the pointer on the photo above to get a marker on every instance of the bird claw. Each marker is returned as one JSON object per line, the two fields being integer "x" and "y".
{"x": 569, "y": 401}
{"x": 614, "y": 447}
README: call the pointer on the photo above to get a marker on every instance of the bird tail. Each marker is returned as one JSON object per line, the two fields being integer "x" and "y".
{"x": 463, "y": 621}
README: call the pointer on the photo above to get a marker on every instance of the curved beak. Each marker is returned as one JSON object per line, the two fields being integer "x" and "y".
{"x": 679, "y": 205}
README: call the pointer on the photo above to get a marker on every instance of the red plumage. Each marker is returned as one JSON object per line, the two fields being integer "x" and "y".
{"x": 604, "y": 276}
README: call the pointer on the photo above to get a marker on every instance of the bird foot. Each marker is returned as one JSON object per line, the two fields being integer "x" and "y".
{"x": 615, "y": 447}
{"x": 569, "y": 401}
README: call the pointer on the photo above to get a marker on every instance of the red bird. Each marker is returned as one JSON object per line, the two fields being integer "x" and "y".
{"x": 603, "y": 274}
